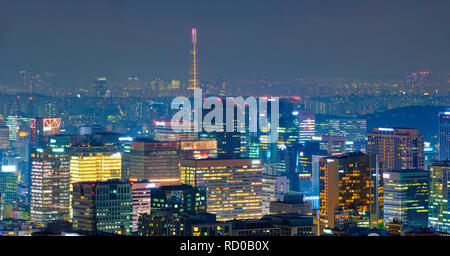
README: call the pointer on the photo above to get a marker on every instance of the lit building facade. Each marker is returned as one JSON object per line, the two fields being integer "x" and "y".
{"x": 102, "y": 207}
{"x": 444, "y": 136}
{"x": 4, "y": 137}
{"x": 179, "y": 199}
{"x": 438, "y": 207}
{"x": 307, "y": 122}
{"x": 155, "y": 161}
{"x": 233, "y": 186}
{"x": 406, "y": 197}
{"x": 99, "y": 163}
{"x": 50, "y": 185}
{"x": 8, "y": 190}
{"x": 397, "y": 148}
{"x": 354, "y": 129}
{"x": 351, "y": 191}
{"x": 272, "y": 187}
{"x": 14, "y": 122}
{"x": 141, "y": 196}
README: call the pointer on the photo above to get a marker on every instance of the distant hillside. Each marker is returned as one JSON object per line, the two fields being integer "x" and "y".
{"x": 423, "y": 118}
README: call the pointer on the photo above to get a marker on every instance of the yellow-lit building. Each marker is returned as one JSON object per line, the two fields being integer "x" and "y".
{"x": 351, "y": 191}
{"x": 95, "y": 164}
{"x": 233, "y": 186}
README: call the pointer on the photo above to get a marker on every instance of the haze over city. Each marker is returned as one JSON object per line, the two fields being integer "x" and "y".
{"x": 74, "y": 41}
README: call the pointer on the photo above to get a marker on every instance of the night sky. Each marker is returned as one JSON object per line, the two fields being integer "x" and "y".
{"x": 79, "y": 39}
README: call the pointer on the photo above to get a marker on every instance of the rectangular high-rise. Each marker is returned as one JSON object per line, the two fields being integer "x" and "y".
{"x": 444, "y": 136}
{"x": 233, "y": 186}
{"x": 351, "y": 191}
{"x": 307, "y": 122}
{"x": 438, "y": 206}
{"x": 141, "y": 196}
{"x": 4, "y": 137}
{"x": 8, "y": 190}
{"x": 397, "y": 148}
{"x": 50, "y": 184}
{"x": 158, "y": 161}
{"x": 95, "y": 163}
{"x": 406, "y": 197}
{"x": 155, "y": 161}
{"x": 102, "y": 207}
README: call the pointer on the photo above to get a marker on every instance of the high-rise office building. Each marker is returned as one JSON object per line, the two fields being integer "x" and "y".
{"x": 14, "y": 123}
{"x": 334, "y": 145}
{"x": 158, "y": 161}
{"x": 8, "y": 190}
{"x": 438, "y": 207}
{"x": 95, "y": 163}
{"x": 102, "y": 207}
{"x": 351, "y": 191}
{"x": 141, "y": 196}
{"x": 4, "y": 137}
{"x": 305, "y": 164}
{"x": 444, "y": 136}
{"x": 406, "y": 197}
{"x": 397, "y": 148}
{"x": 307, "y": 122}
{"x": 50, "y": 184}
{"x": 272, "y": 188}
{"x": 164, "y": 131}
{"x": 233, "y": 186}
{"x": 353, "y": 128}
{"x": 155, "y": 161}
{"x": 179, "y": 199}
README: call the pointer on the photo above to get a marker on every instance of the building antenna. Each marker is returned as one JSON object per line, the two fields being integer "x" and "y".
{"x": 193, "y": 80}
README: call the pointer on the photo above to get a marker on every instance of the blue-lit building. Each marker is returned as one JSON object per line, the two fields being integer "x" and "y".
{"x": 444, "y": 136}
{"x": 406, "y": 197}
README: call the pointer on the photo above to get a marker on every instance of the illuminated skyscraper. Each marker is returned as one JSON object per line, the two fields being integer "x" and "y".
{"x": 158, "y": 161}
{"x": 96, "y": 163}
{"x": 14, "y": 123}
{"x": 140, "y": 193}
{"x": 351, "y": 191}
{"x": 444, "y": 136}
{"x": 438, "y": 207}
{"x": 307, "y": 122}
{"x": 50, "y": 179}
{"x": 193, "y": 80}
{"x": 272, "y": 187}
{"x": 102, "y": 207}
{"x": 233, "y": 186}
{"x": 155, "y": 161}
{"x": 406, "y": 197}
{"x": 397, "y": 148}
{"x": 350, "y": 127}
{"x": 334, "y": 145}
{"x": 164, "y": 131}
{"x": 8, "y": 190}
{"x": 179, "y": 199}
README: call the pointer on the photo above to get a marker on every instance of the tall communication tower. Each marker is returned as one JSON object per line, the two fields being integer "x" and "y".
{"x": 193, "y": 72}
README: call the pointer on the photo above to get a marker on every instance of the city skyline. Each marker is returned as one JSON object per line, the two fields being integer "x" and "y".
{"x": 250, "y": 119}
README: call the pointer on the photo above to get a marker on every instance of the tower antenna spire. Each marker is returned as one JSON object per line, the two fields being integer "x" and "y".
{"x": 193, "y": 80}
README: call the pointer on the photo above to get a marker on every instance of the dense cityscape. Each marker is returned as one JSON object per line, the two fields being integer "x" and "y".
{"x": 102, "y": 157}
